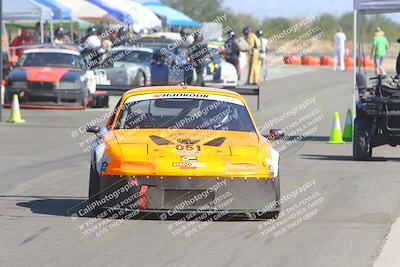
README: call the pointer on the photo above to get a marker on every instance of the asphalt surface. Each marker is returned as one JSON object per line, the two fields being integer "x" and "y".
{"x": 339, "y": 215}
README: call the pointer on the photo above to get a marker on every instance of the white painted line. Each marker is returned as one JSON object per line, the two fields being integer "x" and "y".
{"x": 390, "y": 255}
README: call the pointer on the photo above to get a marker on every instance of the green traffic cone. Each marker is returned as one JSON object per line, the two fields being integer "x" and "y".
{"x": 348, "y": 126}
{"x": 15, "y": 114}
{"x": 336, "y": 132}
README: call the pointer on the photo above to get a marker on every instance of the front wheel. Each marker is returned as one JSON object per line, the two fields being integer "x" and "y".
{"x": 94, "y": 189}
{"x": 99, "y": 101}
{"x": 140, "y": 79}
{"x": 277, "y": 188}
{"x": 274, "y": 214}
{"x": 362, "y": 149}
{"x": 7, "y": 97}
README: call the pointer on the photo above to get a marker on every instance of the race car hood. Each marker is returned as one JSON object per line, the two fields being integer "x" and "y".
{"x": 187, "y": 153}
{"x": 46, "y": 74}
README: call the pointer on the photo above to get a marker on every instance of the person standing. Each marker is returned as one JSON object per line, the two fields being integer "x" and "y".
{"x": 21, "y": 40}
{"x": 232, "y": 52}
{"x": 398, "y": 61}
{"x": 60, "y": 37}
{"x": 91, "y": 51}
{"x": 198, "y": 56}
{"x": 379, "y": 48}
{"x": 263, "y": 53}
{"x": 253, "y": 43}
{"x": 340, "y": 48}
{"x": 36, "y": 36}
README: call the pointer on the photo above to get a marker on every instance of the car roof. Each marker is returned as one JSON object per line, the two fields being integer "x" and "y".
{"x": 183, "y": 89}
{"x": 52, "y": 50}
{"x": 132, "y": 48}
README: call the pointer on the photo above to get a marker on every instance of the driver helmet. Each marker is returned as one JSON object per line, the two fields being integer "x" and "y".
{"x": 93, "y": 42}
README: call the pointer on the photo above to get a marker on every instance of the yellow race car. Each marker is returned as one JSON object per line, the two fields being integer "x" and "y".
{"x": 183, "y": 150}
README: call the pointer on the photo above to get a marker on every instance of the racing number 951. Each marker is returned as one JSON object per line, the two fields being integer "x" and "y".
{"x": 188, "y": 147}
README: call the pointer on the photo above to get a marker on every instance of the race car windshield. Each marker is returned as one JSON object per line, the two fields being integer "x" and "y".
{"x": 50, "y": 60}
{"x": 183, "y": 113}
{"x": 131, "y": 56}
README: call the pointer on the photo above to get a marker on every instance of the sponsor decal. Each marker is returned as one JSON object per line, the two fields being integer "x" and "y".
{"x": 188, "y": 158}
{"x": 43, "y": 77}
{"x": 189, "y": 165}
{"x": 104, "y": 166}
{"x": 104, "y": 163}
{"x": 180, "y": 95}
{"x": 188, "y": 153}
{"x": 187, "y": 141}
{"x": 46, "y": 69}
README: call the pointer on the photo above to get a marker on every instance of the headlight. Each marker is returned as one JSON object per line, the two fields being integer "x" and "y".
{"x": 273, "y": 162}
{"x": 69, "y": 85}
{"x": 19, "y": 84}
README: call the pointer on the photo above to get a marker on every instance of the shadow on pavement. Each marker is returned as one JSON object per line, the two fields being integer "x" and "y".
{"x": 65, "y": 206}
{"x": 308, "y": 138}
{"x": 343, "y": 158}
{"x": 326, "y": 157}
{"x": 48, "y": 205}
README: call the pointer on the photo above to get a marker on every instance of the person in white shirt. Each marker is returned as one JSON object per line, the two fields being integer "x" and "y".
{"x": 340, "y": 39}
{"x": 263, "y": 54}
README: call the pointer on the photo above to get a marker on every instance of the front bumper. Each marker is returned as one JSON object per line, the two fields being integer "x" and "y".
{"x": 46, "y": 95}
{"x": 172, "y": 196}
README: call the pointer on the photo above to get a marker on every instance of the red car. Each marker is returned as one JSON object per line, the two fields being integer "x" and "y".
{"x": 53, "y": 75}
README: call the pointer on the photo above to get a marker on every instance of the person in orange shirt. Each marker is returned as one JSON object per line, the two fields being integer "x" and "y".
{"x": 20, "y": 40}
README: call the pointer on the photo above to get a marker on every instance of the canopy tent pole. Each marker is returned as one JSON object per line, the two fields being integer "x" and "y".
{"x": 41, "y": 31}
{"x": 359, "y": 45}
{"x": 51, "y": 32}
{"x": 356, "y": 54}
{"x": 72, "y": 31}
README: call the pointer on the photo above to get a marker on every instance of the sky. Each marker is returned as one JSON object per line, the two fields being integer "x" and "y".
{"x": 293, "y": 8}
{"x": 289, "y": 8}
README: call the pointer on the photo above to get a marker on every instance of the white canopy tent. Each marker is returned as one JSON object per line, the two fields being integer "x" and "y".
{"x": 377, "y": 6}
{"x": 27, "y": 10}
{"x": 143, "y": 17}
{"x": 87, "y": 11}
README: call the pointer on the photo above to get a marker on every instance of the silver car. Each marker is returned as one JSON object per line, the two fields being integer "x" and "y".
{"x": 125, "y": 67}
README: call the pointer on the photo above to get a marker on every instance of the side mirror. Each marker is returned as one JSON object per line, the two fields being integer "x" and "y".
{"x": 275, "y": 134}
{"x": 93, "y": 129}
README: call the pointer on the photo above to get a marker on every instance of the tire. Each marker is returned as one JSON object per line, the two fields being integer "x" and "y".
{"x": 362, "y": 149}
{"x": 94, "y": 189}
{"x": 140, "y": 79}
{"x": 99, "y": 101}
{"x": 82, "y": 100}
{"x": 7, "y": 98}
{"x": 361, "y": 81}
{"x": 277, "y": 187}
{"x": 273, "y": 214}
